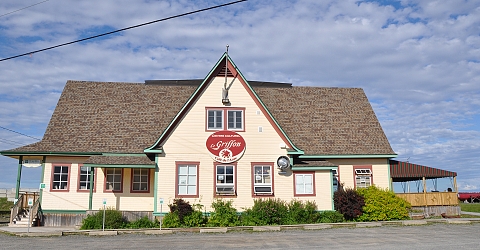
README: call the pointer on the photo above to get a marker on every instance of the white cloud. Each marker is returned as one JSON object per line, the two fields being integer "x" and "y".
{"x": 421, "y": 76}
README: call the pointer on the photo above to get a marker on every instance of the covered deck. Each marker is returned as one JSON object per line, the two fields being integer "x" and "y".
{"x": 405, "y": 173}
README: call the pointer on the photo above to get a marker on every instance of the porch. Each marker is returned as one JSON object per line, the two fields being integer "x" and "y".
{"x": 434, "y": 202}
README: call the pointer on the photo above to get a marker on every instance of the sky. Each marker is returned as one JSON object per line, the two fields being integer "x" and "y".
{"x": 417, "y": 61}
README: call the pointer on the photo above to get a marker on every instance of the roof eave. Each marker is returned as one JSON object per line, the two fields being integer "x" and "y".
{"x": 352, "y": 156}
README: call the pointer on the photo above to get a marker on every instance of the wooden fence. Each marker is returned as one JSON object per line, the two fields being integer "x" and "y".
{"x": 430, "y": 199}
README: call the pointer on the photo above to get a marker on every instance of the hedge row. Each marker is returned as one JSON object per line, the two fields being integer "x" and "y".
{"x": 183, "y": 214}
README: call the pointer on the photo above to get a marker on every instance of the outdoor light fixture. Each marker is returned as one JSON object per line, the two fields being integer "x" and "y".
{"x": 283, "y": 162}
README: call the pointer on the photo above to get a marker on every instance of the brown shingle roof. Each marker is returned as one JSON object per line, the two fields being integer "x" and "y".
{"x": 119, "y": 160}
{"x": 128, "y": 117}
{"x": 327, "y": 121}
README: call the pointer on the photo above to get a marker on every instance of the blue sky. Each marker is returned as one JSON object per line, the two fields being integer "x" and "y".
{"x": 418, "y": 62}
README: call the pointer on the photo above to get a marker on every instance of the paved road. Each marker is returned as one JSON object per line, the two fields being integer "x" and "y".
{"x": 436, "y": 236}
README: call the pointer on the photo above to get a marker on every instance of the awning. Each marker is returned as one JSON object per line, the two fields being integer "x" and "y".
{"x": 313, "y": 165}
{"x": 119, "y": 162}
{"x": 405, "y": 171}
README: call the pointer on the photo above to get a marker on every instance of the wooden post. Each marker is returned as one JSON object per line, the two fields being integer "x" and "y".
{"x": 455, "y": 184}
{"x": 424, "y": 190}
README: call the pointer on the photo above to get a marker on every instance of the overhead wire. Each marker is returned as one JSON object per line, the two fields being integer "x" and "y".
{"x": 10, "y": 142}
{"x": 20, "y": 133}
{"x": 131, "y": 27}
{"x": 22, "y": 8}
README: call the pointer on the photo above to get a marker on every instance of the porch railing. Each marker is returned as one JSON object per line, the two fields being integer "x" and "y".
{"x": 430, "y": 198}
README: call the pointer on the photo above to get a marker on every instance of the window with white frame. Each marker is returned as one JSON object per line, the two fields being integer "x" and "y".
{"x": 187, "y": 179}
{"x": 262, "y": 183}
{"x": 113, "y": 179}
{"x": 215, "y": 119}
{"x": 363, "y": 178}
{"x": 335, "y": 179}
{"x": 60, "y": 177}
{"x": 140, "y": 179}
{"x": 84, "y": 177}
{"x": 225, "y": 179}
{"x": 235, "y": 119}
{"x": 225, "y": 118}
{"x": 304, "y": 184}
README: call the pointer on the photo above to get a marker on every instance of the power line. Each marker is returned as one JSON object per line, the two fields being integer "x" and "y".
{"x": 22, "y": 8}
{"x": 131, "y": 27}
{"x": 10, "y": 142}
{"x": 19, "y": 133}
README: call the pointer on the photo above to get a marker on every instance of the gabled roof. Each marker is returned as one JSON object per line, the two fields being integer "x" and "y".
{"x": 117, "y": 117}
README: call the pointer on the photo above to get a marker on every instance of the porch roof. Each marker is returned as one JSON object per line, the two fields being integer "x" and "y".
{"x": 405, "y": 171}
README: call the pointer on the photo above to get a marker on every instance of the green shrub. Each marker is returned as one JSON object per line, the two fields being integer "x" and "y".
{"x": 182, "y": 214}
{"x": 330, "y": 217}
{"x": 348, "y": 202}
{"x": 265, "y": 212}
{"x": 382, "y": 205}
{"x": 183, "y": 208}
{"x": 5, "y": 205}
{"x": 113, "y": 220}
{"x": 195, "y": 219}
{"x": 300, "y": 212}
{"x": 223, "y": 215}
{"x": 143, "y": 222}
{"x": 171, "y": 220}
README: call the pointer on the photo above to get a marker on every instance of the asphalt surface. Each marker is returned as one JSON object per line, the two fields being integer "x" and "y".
{"x": 432, "y": 236}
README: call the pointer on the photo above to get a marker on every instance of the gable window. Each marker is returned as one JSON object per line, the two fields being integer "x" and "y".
{"x": 84, "y": 177}
{"x": 262, "y": 179}
{"x": 363, "y": 177}
{"x": 225, "y": 179}
{"x": 225, "y": 118}
{"x": 304, "y": 184}
{"x": 60, "y": 177}
{"x": 113, "y": 179}
{"x": 235, "y": 119}
{"x": 215, "y": 120}
{"x": 140, "y": 179}
{"x": 187, "y": 180}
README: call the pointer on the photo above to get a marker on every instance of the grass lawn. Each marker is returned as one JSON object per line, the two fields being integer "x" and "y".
{"x": 5, "y": 210}
{"x": 470, "y": 207}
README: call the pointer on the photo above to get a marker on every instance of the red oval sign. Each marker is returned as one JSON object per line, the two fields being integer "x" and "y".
{"x": 225, "y": 146}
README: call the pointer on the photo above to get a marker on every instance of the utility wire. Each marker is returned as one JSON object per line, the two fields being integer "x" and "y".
{"x": 10, "y": 142}
{"x": 131, "y": 27}
{"x": 20, "y": 133}
{"x": 22, "y": 8}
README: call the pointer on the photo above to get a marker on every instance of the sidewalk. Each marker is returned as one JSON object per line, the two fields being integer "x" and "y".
{"x": 470, "y": 213}
{"x": 60, "y": 231}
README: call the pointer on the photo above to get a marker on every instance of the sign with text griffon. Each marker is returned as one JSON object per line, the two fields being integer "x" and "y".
{"x": 225, "y": 146}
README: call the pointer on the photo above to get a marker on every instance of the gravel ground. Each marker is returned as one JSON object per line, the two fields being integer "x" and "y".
{"x": 434, "y": 236}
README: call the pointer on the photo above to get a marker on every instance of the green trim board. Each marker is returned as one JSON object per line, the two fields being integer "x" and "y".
{"x": 345, "y": 156}
{"x": 120, "y": 154}
{"x": 53, "y": 211}
{"x": 19, "y": 177}
{"x": 155, "y": 185}
{"x": 331, "y": 186}
{"x": 155, "y": 151}
{"x": 117, "y": 166}
{"x": 44, "y": 160}
{"x": 314, "y": 168}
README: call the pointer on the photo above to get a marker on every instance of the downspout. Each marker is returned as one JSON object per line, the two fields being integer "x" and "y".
{"x": 19, "y": 177}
